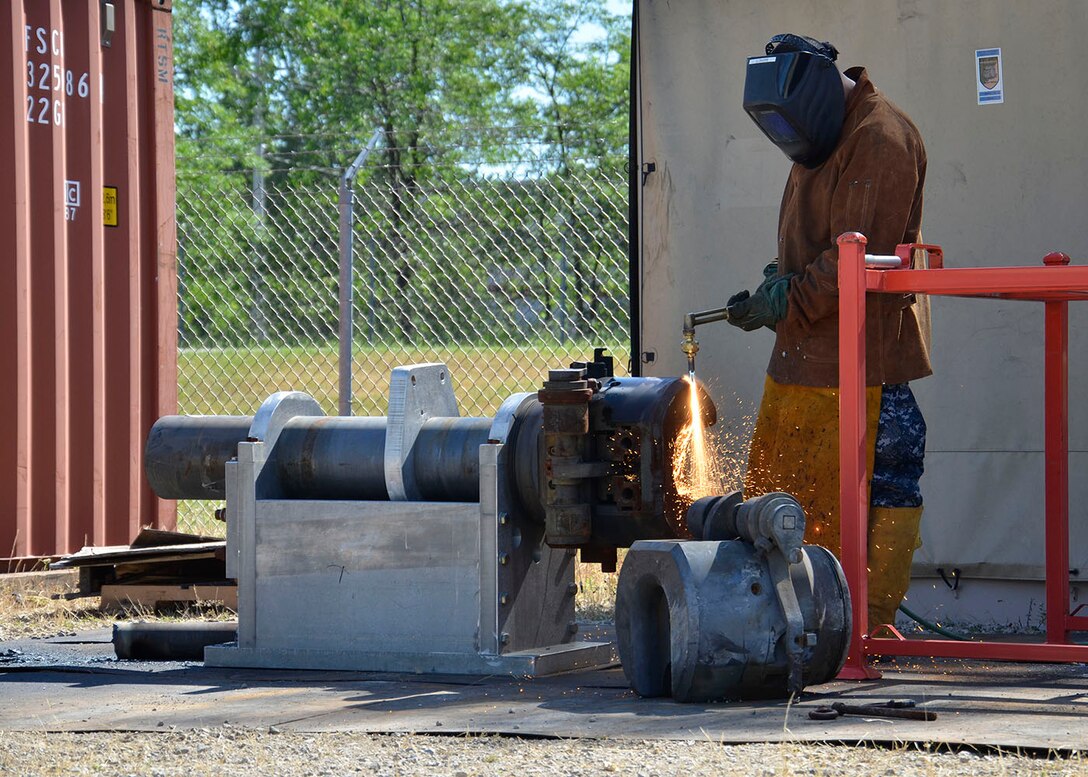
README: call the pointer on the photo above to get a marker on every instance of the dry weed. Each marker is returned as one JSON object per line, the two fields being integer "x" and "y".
{"x": 35, "y": 615}
{"x": 29, "y": 613}
{"x": 596, "y": 600}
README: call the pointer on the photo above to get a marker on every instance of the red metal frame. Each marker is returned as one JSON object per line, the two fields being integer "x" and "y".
{"x": 1055, "y": 284}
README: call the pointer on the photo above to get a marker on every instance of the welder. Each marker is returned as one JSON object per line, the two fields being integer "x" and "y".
{"x": 859, "y": 166}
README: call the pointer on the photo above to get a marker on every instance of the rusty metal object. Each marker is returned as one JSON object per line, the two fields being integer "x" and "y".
{"x": 567, "y": 514}
{"x": 896, "y": 708}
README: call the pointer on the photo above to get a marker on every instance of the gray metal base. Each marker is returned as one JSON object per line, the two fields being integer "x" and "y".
{"x": 524, "y": 663}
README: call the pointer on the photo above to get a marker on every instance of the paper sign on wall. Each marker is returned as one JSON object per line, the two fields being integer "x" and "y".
{"x": 989, "y": 76}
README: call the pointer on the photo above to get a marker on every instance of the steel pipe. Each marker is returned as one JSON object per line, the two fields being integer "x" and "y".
{"x": 170, "y": 641}
{"x": 316, "y": 457}
{"x": 335, "y": 457}
{"x": 185, "y": 456}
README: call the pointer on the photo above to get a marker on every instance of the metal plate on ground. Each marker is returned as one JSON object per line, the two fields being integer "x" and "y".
{"x": 73, "y": 684}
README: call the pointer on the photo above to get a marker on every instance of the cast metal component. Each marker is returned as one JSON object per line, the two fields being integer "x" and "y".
{"x": 772, "y": 520}
{"x": 732, "y": 618}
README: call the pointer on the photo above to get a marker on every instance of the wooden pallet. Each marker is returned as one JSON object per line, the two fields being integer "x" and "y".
{"x": 118, "y": 597}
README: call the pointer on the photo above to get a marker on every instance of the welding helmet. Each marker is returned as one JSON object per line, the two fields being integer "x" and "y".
{"x": 795, "y": 94}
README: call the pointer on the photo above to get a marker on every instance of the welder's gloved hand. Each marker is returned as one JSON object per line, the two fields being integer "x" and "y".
{"x": 766, "y": 306}
{"x": 770, "y": 272}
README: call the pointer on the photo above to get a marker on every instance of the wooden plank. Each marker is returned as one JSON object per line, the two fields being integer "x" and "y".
{"x": 48, "y": 583}
{"x": 120, "y": 597}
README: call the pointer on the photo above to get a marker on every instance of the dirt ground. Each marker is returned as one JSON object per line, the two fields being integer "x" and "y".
{"x": 231, "y": 750}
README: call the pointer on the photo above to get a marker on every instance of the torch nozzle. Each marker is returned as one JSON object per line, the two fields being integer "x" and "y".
{"x": 689, "y": 345}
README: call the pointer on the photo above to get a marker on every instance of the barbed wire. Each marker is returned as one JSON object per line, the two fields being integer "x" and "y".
{"x": 468, "y": 159}
{"x": 521, "y": 130}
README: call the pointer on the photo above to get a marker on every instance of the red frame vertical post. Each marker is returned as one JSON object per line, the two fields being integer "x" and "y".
{"x": 853, "y": 490}
{"x": 1056, "y": 370}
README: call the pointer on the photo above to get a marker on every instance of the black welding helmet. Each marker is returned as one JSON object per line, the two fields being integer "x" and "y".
{"x": 795, "y": 94}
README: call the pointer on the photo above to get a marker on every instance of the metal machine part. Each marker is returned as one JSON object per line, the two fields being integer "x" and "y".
{"x": 422, "y": 541}
{"x": 591, "y": 456}
{"x": 689, "y": 345}
{"x": 732, "y": 618}
{"x": 426, "y": 542}
{"x": 773, "y": 520}
{"x": 567, "y": 514}
{"x": 169, "y": 641}
{"x": 413, "y": 584}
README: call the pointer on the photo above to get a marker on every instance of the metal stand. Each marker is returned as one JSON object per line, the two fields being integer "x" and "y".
{"x": 1055, "y": 285}
{"x": 397, "y": 586}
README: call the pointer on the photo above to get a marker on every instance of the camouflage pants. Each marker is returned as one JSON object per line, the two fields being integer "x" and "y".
{"x": 900, "y": 449}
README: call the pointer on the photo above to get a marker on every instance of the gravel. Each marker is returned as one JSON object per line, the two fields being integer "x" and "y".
{"x": 228, "y": 750}
{"x": 231, "y": 750}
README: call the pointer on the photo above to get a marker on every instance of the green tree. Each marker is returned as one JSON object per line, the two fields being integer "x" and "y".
{"x": 275, "y": 95}
{"x": 575, "y": 83}
{"x": 576, "y": 86}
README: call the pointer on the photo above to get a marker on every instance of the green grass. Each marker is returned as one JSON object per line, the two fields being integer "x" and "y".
{"x": 235, "y": 381}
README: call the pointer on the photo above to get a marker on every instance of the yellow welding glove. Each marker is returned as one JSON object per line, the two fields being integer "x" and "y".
{"x": 894, "y": 535}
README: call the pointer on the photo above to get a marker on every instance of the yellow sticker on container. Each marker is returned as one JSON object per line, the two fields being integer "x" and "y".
{"x": 109, "y": 206}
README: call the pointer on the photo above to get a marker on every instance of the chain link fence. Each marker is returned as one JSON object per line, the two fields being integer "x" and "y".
{"x": 500, "y": 270}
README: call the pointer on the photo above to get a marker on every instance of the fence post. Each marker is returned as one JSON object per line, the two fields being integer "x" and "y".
{"x": 347, "y": 256}
{"x": 564, "y": 270}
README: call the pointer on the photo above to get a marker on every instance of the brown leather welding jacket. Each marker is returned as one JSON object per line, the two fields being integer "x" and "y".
{"x": 871, "y": 183}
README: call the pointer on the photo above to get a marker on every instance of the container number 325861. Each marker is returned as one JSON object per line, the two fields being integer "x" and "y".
{"x": 49, "y": 83}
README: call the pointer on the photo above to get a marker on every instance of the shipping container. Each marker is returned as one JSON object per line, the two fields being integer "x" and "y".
{"x": 88, "y": 333}
{"x": 1007, "y": 183}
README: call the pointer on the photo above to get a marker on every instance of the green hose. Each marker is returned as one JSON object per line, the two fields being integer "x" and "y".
{"x": 931, "y": 626}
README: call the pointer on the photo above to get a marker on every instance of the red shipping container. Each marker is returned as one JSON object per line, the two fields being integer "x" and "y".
{"x": 88, "y": 285}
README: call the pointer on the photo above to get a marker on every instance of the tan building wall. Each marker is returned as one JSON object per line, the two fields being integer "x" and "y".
{"x": 1007, "y": 183}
